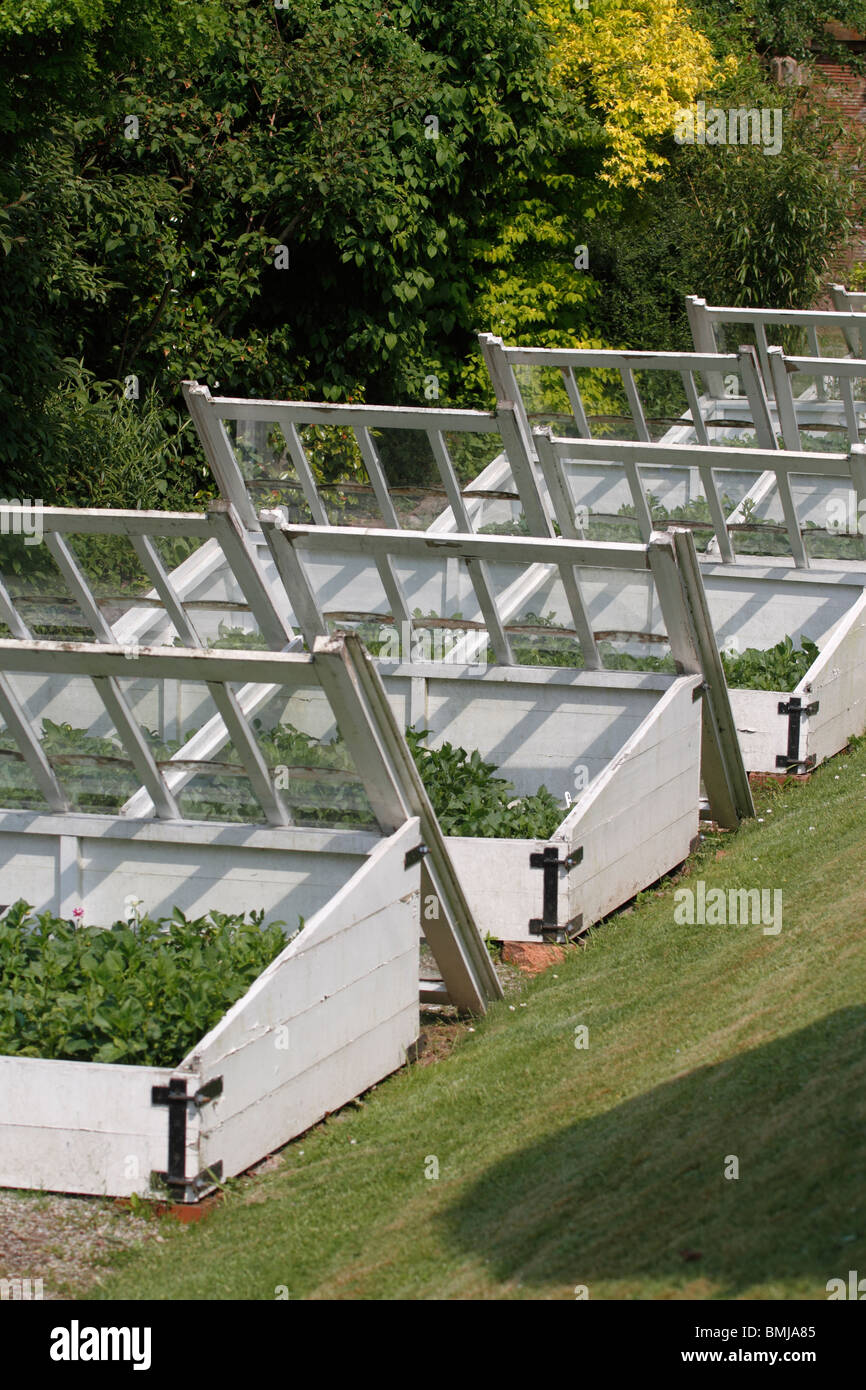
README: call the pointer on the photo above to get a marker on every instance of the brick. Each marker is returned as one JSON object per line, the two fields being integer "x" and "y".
{"x": 532, "y": 956}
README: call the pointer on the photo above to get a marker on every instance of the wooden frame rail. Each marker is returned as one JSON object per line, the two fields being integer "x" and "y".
{"x": 772, "y": 466}
{"x": 705, "y": 318}
{"x": 713, "y": 366}
{"x": 210, "y": 414}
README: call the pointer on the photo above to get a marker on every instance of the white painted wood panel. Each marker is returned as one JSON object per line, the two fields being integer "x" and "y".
{"x": 85, "y": 1127}
{"x": 638, "y": 820}
{"x": 635, "y": 823}
{"x": 837, "y": 680}
{"x": 641, "y": 862}
{"x": 502, "y": 890}
{"x": 30, "y": 869}
{"x": 346, "y": 991}
{"x": 277, "y": 1107}
{"x": 202, "y": 868}
{"x": 762, "y": 731}
{"x": 538, "y": 733}
{"x": 759, "y": 608}
{"x": 282, "y": 884}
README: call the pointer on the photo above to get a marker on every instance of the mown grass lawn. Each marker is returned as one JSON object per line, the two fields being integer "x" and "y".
{"x": 602, "y": 1166}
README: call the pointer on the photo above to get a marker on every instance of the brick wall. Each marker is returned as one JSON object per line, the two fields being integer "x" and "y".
{"x": 847, "y": 91}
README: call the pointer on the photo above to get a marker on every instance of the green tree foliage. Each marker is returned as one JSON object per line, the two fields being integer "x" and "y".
{"x": 58, "y": 207}
{"x": 786, "y": 28}
{"x": 142, "y": 222}
{"x": 634, "y": 62}
{"x": 764, "y": 229}
{"x": 730, "y": 224}
{"x": 328, "y": 200}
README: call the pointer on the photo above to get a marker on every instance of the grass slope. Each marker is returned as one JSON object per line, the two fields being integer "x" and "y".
{"x": 603, "y": 1166}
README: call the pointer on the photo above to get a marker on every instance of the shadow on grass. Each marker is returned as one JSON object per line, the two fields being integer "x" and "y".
{"x": 639, "y": 1192}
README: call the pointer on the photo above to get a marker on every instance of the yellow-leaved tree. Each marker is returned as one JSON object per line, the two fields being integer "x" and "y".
{"x": 633, "y": 63}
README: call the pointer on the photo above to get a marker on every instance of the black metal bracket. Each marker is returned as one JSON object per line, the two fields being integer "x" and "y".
{"x": 414, "y": 856}
{"x": 550, "y": 863}
{"x": 795, "y": 711}
{"x": 174, "y": 1095}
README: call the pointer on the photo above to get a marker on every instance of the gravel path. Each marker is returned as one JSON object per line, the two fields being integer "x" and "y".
{"x": 65, "y": 1241}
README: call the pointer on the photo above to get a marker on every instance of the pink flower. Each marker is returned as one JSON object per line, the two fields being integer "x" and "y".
{"x": 78, "y": 916}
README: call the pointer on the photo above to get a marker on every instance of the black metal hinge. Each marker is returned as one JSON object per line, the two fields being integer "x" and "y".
{"x": 174, "y": 1095}
{"x": 796, "y": 711}
{"x": 414, "y": 856}
{"x": 550, "y": 863}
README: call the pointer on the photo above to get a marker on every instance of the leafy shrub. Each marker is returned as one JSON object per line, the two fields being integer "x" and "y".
{"x": 235, "y": 638}
{"x": 108, "y": 451}
{"x": 733, "y": 241}
{"x": 780, "y": 668}
{"x": 470, "y": 800}
{"x": 142, "y": 995}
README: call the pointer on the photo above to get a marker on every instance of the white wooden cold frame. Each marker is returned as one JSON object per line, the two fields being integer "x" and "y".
{"x": 538, "y": 724}
{"x": 334, "y": 1013}
{"x": 755, "y": 607}
{"x": 615, "y": 726}
{"x": 753, "y": 601}
{"x": 764, "y": 400}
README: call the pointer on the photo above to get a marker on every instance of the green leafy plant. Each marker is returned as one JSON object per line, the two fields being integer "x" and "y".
{"x": 236, "y": 638}
{"x": 139, "y": 994}
{"x": 469, "y": 799}
{"x": 780, "y": 668}
{"x": 321, "y": 785}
